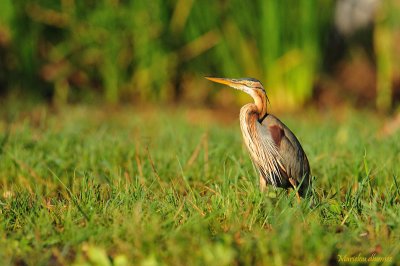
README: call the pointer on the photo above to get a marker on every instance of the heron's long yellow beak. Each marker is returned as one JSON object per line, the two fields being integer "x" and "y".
{"x": 225, "y": 81}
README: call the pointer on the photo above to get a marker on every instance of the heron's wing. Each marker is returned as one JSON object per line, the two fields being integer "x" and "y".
{"x": 293, "y": 160}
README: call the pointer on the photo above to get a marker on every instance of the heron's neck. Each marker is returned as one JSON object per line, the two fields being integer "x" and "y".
{"x": 248, "y": 118}
{"x": 260, "y": 101}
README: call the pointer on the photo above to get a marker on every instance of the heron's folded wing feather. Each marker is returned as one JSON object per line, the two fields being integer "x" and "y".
{"x": 293, "y": 158}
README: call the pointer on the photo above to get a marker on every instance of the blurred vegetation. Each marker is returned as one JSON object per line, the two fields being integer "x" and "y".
{"x": 159, "y": 50}
{"x": 388, "y": 53}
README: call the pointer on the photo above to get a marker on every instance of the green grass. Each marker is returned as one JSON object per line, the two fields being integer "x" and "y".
{"x": 122, "y": 187}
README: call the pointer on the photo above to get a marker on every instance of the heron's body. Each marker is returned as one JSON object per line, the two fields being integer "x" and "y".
{"x": 290, "y": 158}
{"x": 273, "y": 148}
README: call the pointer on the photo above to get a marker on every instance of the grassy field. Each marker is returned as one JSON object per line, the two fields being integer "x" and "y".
{"x": 89, "y": 186}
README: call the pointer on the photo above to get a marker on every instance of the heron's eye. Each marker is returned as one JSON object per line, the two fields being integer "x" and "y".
{"x": 251, "y": 85}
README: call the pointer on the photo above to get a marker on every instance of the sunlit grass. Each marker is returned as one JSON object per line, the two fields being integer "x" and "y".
{"x": 177, "y": 187}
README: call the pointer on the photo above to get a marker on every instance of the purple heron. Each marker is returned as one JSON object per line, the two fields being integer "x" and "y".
{"x": 274, "y": 149}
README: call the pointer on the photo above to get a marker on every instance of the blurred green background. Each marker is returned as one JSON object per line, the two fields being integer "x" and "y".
{"x": 320, "y": 51}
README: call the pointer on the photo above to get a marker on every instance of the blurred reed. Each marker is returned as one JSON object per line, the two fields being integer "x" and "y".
{"x": 147, "y": 50}
{"x": 386, "y": 39}
{"x": 160, "y": 50}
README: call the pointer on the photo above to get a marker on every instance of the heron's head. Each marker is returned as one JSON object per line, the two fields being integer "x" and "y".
{"x": 251, "y": 86}
{"x": 248, "y": 85}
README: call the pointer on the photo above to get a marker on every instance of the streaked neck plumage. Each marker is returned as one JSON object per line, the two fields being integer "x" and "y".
{"x": 251, "y": 116}
{"x": 260, "y": 101}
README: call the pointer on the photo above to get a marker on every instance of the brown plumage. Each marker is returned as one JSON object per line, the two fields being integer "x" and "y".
{"x": 273, "y": 148}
